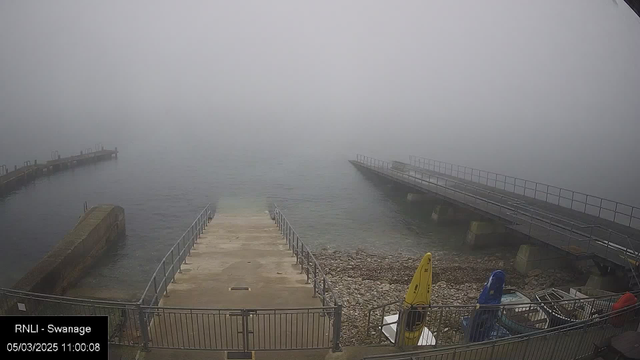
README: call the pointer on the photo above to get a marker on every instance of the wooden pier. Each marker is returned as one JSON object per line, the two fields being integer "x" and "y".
{"x": 11, "y": 180}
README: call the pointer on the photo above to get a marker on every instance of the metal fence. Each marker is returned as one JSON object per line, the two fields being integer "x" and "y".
{"x": 148, "y": 325}
{"x": 567, "y": 342}
{"x": 308, "y": 263}
{"x": 589, "y": 204}
{"x": 241, "y": 330}
{"x": 562, "y": 233}
{"x": 309, "y": 266}
{"x": 124, "y": 317}
{"x": 171, "y": 264}
{"x": 459, "y": 324}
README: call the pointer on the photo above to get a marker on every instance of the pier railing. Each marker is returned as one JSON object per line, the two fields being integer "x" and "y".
{"x": 566, "y": 342}
{"x": 309, "y": 266}
{"x": 573, "y": 237}
{"x": 611, "y": 210}
{"x": 147, "y": 324}
{"x": 454, "y": 324}
{"x": 172, "y": 262}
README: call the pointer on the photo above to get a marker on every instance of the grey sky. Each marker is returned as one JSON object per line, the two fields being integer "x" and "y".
{"x": 508, "y": 85}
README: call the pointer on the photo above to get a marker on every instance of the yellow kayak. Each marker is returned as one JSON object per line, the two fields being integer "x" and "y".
{"x": 419, "y": 294}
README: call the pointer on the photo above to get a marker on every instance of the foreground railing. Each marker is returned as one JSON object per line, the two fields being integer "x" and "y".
{"x": 309, "y": 266}
{"x": 171, "y": 264}
{"x": 125, "y": 318}
{"x": 147, "y": 325}
{"x": 567, "y": 235}
{"x": 615, "y": 211}
{"x": 241, "y": 330}
{"x": 454, "y": 324}
{"x": 567, "y": 342}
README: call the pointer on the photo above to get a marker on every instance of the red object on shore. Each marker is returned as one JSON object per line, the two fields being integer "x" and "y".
{"x": 625, "y": 300}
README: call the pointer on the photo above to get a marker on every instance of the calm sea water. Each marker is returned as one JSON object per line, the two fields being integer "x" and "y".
{"x": 328, "y": 201}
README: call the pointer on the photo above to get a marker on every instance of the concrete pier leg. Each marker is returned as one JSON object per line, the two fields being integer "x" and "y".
{"x": 482, "y": 233}
{"x": 609, "y": 282}
{"x": 532, "y": 257}
{"x": 447, "y": 213}
{"x": 442, "y": 213}
{"x": 411, "y": 197}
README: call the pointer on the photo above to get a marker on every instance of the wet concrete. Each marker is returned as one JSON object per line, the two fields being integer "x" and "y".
{"x": 240, "y": 290}
{"x": 241, "y": 248}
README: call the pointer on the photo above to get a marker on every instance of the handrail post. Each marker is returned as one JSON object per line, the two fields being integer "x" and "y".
{"x": 164, "y": 271}
{"x": 399, "y": 340}
{"x": 301, "y": 258}
{"x": 143, "y": 328}
{"x": 337, "y": 328}
{"x": 307, "y": 263}
{"x": 315, "y": 279}
{"x": 173, "y": 265}
{"x": 324, "y": 290}
{"x": 179, "y": 257}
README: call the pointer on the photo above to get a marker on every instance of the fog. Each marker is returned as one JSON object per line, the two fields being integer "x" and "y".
{"x": 546, "y": 90}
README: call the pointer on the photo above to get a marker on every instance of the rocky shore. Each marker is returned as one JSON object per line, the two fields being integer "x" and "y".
{"x": 364, "y": 280}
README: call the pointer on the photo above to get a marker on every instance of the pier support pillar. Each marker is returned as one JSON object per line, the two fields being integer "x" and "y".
{"x": 610, "y": 282}
{"x": 482, "y": 233}
{"x": 411, "y": 197}
{"x": 532, "y": 257}
{"x": 446, "y": 213}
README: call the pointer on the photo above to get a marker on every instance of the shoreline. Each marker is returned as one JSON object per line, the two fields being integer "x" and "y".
{"x": 365, "y": 280}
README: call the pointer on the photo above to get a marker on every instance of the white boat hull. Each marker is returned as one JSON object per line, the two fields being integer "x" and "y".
{"x": 389, "y": 330}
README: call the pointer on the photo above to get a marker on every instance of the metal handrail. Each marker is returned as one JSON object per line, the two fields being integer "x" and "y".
{"x": 190, "y": 235}
{"x": 304, "y": 256}
{"x": 309, "y": 265}
{"x": 500, "y": 306}
{"x": 539, "y": 187}
{"x": 508, "y": 210}
{"x": 67, "y": 299}
{"x": 578, "y": 325}
{"x": 574, "y": 225}
{"x": 185, "y": 308}
{"x": 567, "y": 303}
